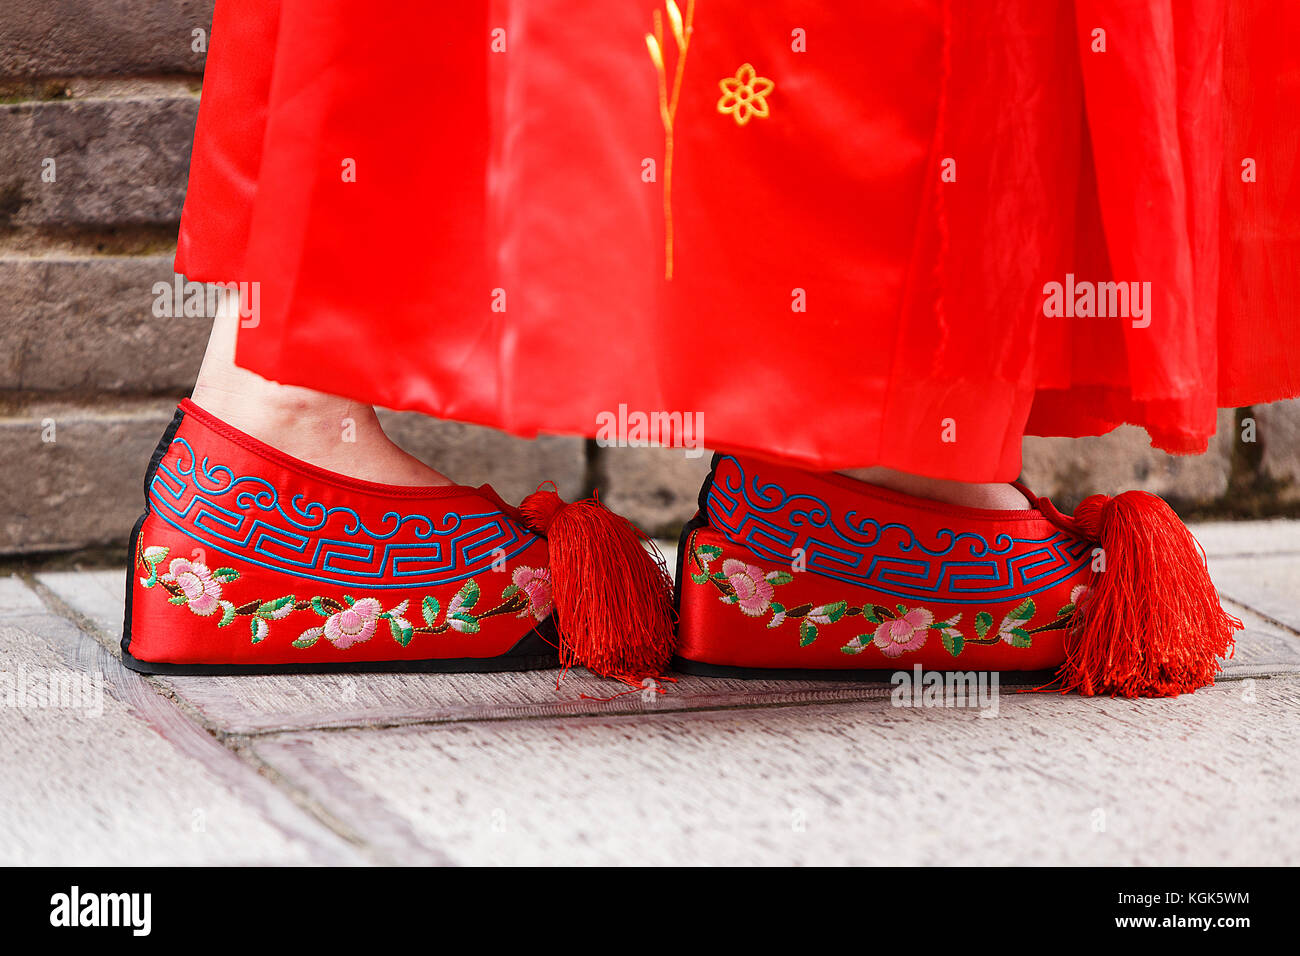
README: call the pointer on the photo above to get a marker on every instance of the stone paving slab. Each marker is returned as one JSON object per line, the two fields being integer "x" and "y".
{"x": 1256, "y": 564}
{"x": 99, "y": 769}
{"x": 1205, "y": 779}
{"x": 1229, "y": 538}
{"x": 1269, "y": 586}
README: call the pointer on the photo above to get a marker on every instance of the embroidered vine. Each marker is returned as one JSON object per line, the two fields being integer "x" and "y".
{"x": 899, "y": 630}
{"x": 681, "y": 30}
{"x": 347, "y": 622}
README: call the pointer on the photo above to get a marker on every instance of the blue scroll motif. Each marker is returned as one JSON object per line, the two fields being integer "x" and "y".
{"x": 244, "y": 517}
{"x": 958, "y": 567}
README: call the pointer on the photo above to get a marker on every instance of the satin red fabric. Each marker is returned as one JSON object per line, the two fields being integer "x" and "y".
{"x": 922, "y": 172}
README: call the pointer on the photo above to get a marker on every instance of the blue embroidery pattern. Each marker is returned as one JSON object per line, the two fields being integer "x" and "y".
{"x": 243, "y": 516}
{"x": 962, "y": 568}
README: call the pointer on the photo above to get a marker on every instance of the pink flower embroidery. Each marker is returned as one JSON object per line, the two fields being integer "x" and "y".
{"x": 536, "y": 583}
{"x": 1079, "y": 594}
{"x": 905, "y": 633}
{"x": 202, "y": 591}
{"x": 753, "y": 590}
{"x": 353, "y": 625}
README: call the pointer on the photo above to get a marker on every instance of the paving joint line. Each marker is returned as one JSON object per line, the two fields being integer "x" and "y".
{"x": 237, "y": 744}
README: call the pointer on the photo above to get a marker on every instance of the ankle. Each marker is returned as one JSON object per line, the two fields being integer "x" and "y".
{"x": 278, "y": 414}
{"x": 331, "y": 432}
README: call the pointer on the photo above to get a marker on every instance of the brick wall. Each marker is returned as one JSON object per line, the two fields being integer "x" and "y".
{"x": 108, "y": 90}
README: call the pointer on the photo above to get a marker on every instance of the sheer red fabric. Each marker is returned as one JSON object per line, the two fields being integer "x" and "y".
{"x": 865, "y": 209}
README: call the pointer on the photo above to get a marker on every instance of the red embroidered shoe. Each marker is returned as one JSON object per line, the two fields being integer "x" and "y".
{"x": 247, "y": 560}
{"x": 787, "y": 573}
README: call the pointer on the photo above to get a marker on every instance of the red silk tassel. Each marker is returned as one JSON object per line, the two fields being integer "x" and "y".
{"x": 1151, "y": 624}
{"x": 613, "y": 597}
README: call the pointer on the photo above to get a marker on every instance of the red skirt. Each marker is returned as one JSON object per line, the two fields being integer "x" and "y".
{"x": 903, "y": 236}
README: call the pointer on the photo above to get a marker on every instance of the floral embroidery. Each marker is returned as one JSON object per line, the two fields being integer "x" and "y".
{"x": 745, "y": 95}
{"x": 750, "y": 587}
{"x": 898, "y": 630}
{"x": 536, "y": 583}
{"x": 347, "y": 622}
{"x": 200, "y": 586}
{"x": 904, "y": 633}
{"x": 355, "y": 624}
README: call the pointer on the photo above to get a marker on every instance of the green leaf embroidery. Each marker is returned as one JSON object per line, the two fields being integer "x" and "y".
{"x": 324, "y": 606}
{"x": 225, "y": 575}
{"x": 156, "y": 554}
{"x": 1023, "y": 611}
{"x": 308, "y": 638}
{"x": 1066, "y": 610}
{"x": 953, "y": 642}
{"x": 177, "y": 599}
{"x": 227, "y": 613}
{"x": 429, "y": 609}
{"x": 268, "y": 609}
{"x": 710, "y": 550}
{"x": 465, "y": 623}
{"x": 700, "y": 578}
{"x": 1020, "y": 637}
{"x": 983, "y": 621}
{"x": 402, "y": 635}
{"x": 259, "y": 628}
{"x": 467, "y": 595}
{"x": 807, "y": 633}
{"x": 869, "y": 613}
{"x": 780, "y": 577}
{"x": 835, "y": 611}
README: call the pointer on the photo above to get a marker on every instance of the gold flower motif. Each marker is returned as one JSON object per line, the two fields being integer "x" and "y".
{"x": 744, "y": 95}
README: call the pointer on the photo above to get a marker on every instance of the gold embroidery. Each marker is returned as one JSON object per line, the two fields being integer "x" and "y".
{"x": 668, "y": 102}
{"x": 744, "y": 95}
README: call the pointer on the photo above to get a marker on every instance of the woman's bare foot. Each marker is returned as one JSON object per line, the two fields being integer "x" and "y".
{"x": 334, "y": 433}
{"x": 996, "y": 497}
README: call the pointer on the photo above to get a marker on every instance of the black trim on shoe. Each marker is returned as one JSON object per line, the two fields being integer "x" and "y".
{"x": 699, "y": 521}
{"x": 701, "y": 669}
{"x": 163, "y": 444}
{"x": 132, "y": 542}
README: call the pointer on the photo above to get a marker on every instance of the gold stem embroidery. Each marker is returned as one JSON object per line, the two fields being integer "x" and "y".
{"x": 681, "y": 31}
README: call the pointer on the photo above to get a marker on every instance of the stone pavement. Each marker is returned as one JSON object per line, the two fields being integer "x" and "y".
{"x": 483, "y": 769}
